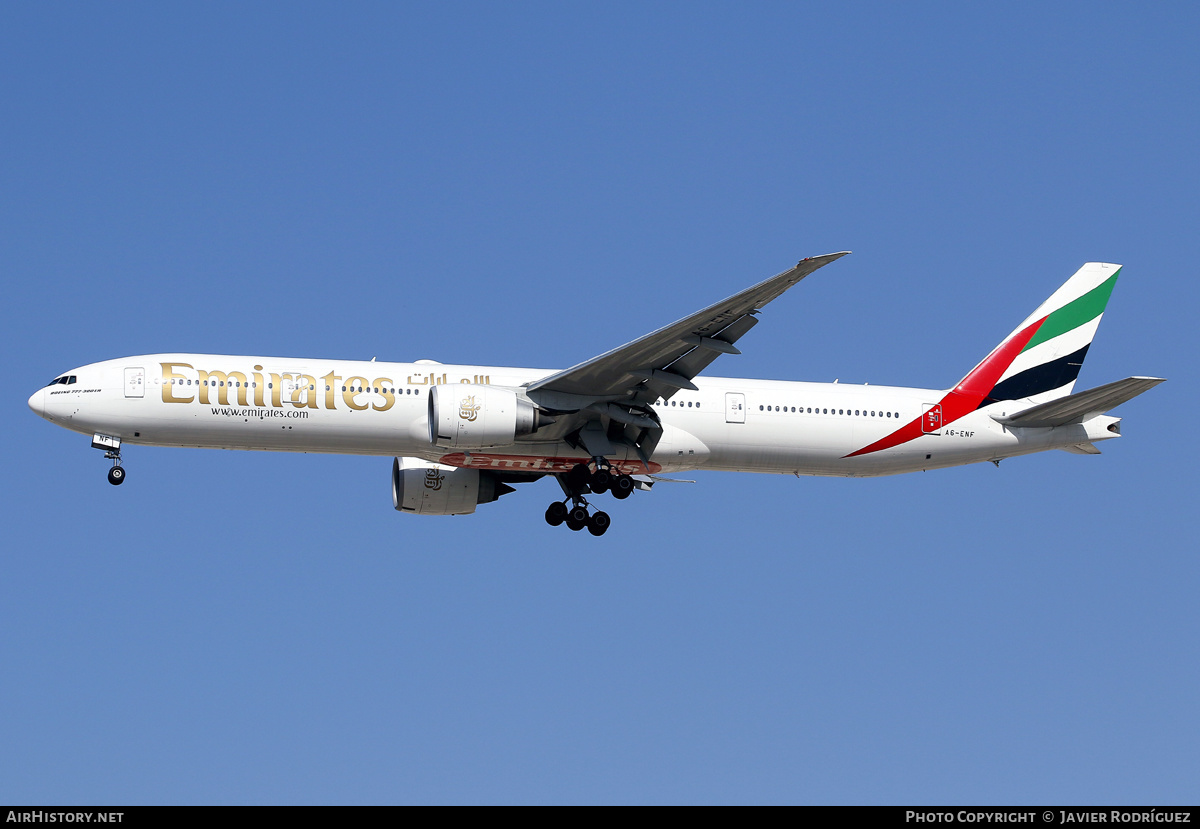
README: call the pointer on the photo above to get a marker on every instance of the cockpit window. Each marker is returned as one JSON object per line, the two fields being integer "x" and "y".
{"x": 71, "y": 380}
{"x": 57, "y": 380}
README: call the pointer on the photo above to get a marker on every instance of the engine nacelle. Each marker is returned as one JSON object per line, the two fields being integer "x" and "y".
{"x": 433, "y": 489}
{"x": 469, "y": 416}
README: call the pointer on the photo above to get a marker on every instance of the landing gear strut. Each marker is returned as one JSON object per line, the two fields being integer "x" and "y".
{"x": 579, "y": 481}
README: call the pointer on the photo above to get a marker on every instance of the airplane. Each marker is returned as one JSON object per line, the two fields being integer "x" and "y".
{"x": 462, "y": 435}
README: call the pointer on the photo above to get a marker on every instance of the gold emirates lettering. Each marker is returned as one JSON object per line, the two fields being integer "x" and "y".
{"x": 302, "y": 390}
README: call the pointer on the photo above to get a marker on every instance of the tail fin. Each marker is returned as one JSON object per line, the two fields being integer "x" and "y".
{"x": 1042, "y": 357}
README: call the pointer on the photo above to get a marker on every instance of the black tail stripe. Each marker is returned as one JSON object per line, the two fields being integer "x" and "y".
{"x": 1038, "y": 379}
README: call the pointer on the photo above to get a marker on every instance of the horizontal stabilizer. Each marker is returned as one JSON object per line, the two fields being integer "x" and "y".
{"x": 1077, "y": 408}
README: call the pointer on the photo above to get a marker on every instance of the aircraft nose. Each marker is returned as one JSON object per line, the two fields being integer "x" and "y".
{"x": 37, "y": 402}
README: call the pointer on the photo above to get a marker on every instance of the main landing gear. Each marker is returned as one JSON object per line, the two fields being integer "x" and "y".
{"x": 580, "y": 480}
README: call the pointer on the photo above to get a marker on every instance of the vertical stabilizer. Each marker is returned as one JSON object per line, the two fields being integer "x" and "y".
{"x": 1042, "y": 357}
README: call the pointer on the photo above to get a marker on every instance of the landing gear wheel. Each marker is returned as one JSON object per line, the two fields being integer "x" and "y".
{"x": 556, "y": 513}
{"x": 116, "y": 476}
{"x": 577, "y": 478}
{"x": 577, "y": 519}
{"x": 622, "y": 487}
{"x": 599, "y": 523}
{"x": 601, "y": 480}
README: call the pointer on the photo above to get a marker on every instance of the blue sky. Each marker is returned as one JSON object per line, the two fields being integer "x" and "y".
{"x": 533, "y": 184}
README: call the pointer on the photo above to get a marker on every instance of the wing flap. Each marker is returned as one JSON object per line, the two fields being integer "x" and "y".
{"x": 1077, "y": 408}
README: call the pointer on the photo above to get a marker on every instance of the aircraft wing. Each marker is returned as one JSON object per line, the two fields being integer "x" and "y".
{"x": 665, "y": 361}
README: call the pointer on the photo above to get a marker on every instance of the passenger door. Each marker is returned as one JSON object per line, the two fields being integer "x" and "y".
{"x": 135, "y": 382}
{"x": 931, "y": 418}
{"x": 735, "y": 407}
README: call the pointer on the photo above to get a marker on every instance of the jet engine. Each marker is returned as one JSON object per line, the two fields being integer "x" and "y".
{"x": 469, "y": 416}
{"x": 433, "y": 489}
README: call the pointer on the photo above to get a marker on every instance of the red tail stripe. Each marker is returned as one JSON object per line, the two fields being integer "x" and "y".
{"x": 967, "y": 395}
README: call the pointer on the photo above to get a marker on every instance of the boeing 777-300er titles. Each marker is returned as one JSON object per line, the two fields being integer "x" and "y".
{"x": 460, "y": 435}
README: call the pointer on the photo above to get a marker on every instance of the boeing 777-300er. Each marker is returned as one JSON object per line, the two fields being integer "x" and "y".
{"x": 461, "y": 434}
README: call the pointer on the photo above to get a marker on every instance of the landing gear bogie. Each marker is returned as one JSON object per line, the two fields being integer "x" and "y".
{"x": 582, "y": 479}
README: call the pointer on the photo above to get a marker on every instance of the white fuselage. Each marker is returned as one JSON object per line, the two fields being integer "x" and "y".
{"x": 374, "y": 408}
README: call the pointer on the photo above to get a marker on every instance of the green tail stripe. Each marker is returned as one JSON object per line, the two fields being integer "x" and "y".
{"x": 1075, "y": 313}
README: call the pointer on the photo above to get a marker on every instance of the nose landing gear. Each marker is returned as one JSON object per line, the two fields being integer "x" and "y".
{"x": 112, "y": 452}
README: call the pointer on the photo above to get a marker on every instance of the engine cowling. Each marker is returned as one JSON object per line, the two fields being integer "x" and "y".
{"x": 470, "y": 416}
{"x": 433, "y": 489}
